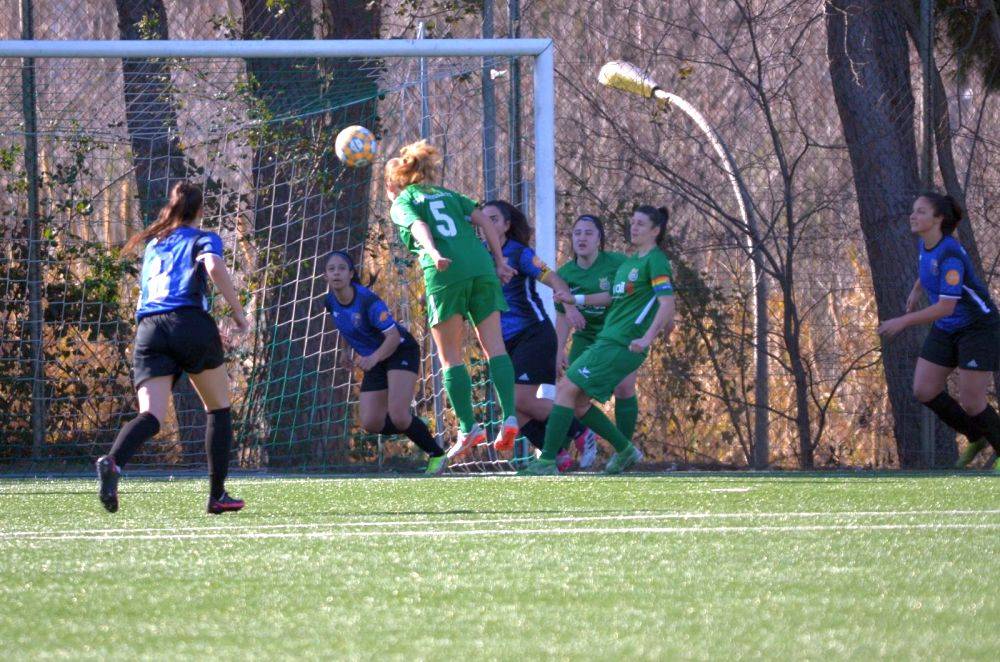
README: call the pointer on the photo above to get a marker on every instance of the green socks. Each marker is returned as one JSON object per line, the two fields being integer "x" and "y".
{"x": 502, "y": 374}
{"x": 602, "y": 425}
{"x": 626, "y": 415}
{"x": 555, "y": 431}
{"x": 459, "y": 388}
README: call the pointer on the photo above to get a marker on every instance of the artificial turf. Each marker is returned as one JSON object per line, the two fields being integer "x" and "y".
{"x": 703, "y": 566}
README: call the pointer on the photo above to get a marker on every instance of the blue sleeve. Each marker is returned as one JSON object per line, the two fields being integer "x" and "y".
{"x": 952, "y": 271}
{"x": 379, "y": 315}
{"x": 208, "y": 243}
{"x": 530, "y": 264}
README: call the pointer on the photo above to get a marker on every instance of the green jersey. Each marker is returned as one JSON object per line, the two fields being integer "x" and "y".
{"x": 637, "y": 284}
{"x": 448, "y": 214}
{"x": 594, "y": 279}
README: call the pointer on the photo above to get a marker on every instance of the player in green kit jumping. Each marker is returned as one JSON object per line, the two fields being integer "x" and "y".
{"x": 589, "y": 275}
{"x": 462, "y": 280}
{"x": 642, "y": 306}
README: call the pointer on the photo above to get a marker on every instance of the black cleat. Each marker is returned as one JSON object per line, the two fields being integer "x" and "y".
{"x": 108, "y": 473}
{"x": 224, "y": 504}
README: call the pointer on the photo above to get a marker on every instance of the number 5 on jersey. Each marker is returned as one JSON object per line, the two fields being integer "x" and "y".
{"x": 445, "y": 223}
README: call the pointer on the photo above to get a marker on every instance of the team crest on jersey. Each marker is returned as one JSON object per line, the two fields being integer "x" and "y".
{"x": 537, "y": 261}
{"x": 633, "y": 275}
{"x": 384, "y": 316}
{"x": 356, "y": 319}
{"x": 604, "y": 284}
{"x": 952, "y": 277}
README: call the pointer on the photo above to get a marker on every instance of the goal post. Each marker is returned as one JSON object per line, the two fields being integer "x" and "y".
{"x": 198, "y": 112}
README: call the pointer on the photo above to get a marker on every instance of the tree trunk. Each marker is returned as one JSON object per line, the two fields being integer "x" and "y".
{"x": 306, "y": 205}
{"x": 869, "y": 68}
{"x": 159, "y": 163}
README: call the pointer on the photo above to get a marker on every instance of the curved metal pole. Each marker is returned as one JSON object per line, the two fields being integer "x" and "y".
{"x": 759, "y": 459}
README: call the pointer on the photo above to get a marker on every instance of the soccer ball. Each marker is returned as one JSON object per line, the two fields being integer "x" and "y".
{"x": 356, "y": 146}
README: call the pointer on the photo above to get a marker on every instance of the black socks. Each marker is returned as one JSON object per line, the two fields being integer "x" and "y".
{"x": 218, "y": 441}
{"x": 132, "y": 435}
{"x": 418, "y": 433}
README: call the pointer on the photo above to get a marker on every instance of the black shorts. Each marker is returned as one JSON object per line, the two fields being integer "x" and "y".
{"x": 406, "y": 357}
{"x": 976, "y": 347}
{"x": 533, "y": 353}
{"x": 183, "y": 340}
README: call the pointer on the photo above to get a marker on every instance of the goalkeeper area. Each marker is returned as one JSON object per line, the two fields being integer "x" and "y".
{"x": 691, "y": 566}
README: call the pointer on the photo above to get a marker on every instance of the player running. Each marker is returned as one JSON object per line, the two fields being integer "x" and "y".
{"x": 589, "y": 276}
{"x": 389, "y": 356}
{"x": 527, "y": 329}
{"x": 966, "y": 327}
{"x": 177, "y": 335}
{"x": 642, "y": 306}
{"x": 461, "y": 280}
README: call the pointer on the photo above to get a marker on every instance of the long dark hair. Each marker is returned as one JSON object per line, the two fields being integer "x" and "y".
{"x": 947, "y": 208}
{"x": 520, "y": 229}
{"x": 185, "y": 203}
{"x": 598, "y": 223}
{"x": 659, "y": 216}
{"x": 346, "y": 257}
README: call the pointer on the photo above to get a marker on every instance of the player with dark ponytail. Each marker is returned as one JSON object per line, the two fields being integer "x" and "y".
{"x": 965, "y": 334}
{"x": 176, "y": 335}
{"x": 642, "y": 306}
{"x": 389, "y": 356}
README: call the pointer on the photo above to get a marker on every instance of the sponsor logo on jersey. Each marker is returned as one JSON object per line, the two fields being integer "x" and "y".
{"x": 633, "y": 275}
{"x": 619, "y": 289}
{"x": 604, "y": 284}
{"x": 934, "y": 267}
{"x": 972, "y": 364}
{"x": 356, "y": 319}
{"x": 952, "y": 277}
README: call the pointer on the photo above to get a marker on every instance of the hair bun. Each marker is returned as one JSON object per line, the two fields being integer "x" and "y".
{"x": 665, "y": 212}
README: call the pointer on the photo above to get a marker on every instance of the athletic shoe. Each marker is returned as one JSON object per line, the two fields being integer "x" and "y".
{"x": 508, "y": 433}
{"x": 586, "y": 448}
{"x": 564, "y": 461}
{"x": 224, "y": 504}
{"x": 466, "y": 442}
{"x": 436, "y": 465}
{"x": 622, "y": 460}
{"x": 108, "y": 473}
{"x": 540, "y": 467}
{"x": 970, "y": 453}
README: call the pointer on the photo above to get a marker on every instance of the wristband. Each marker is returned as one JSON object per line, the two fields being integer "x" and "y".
{"x": 579, "y": 299}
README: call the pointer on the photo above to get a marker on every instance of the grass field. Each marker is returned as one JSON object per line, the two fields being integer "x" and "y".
{"x": 680, "y": 566}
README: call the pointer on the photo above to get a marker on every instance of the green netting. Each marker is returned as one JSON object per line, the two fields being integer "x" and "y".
{"x": 113, "y": 136}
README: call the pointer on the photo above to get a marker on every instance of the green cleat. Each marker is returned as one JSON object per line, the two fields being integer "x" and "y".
{"x": 621, "y": 461}
{"x": 436, "y": 465}
{"x": 540, "y": 467}
{"x": 970, "y": 453}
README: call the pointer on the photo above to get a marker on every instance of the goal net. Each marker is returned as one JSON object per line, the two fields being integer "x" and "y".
{"x": 94, "y": 134}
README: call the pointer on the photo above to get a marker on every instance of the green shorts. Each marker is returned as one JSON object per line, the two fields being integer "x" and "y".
{"x": 475, "y": 299}
{"x": 578, "y": 346}
{"x": 602, "y": 367}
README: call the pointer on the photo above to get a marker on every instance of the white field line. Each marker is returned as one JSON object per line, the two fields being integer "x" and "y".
{"x": 256, "y": 528}
{"x": 675, "y": 530}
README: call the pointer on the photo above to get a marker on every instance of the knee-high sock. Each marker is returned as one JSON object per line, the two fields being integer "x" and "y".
{"x": 420, "y": 434}
{"x": 626, "y": 415}
{"x": 987, "y": 424}
{"x": 132, "y": 435}
{"x": 534, "y": 432}
{"x": 458, "y": 385}
{"x": 218, "y": 441}
{"x": 502, "y": 374}
{"x": 555, "y": 431}
{"x": 602, "y": 425}
{"x": 949, "y": 411}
